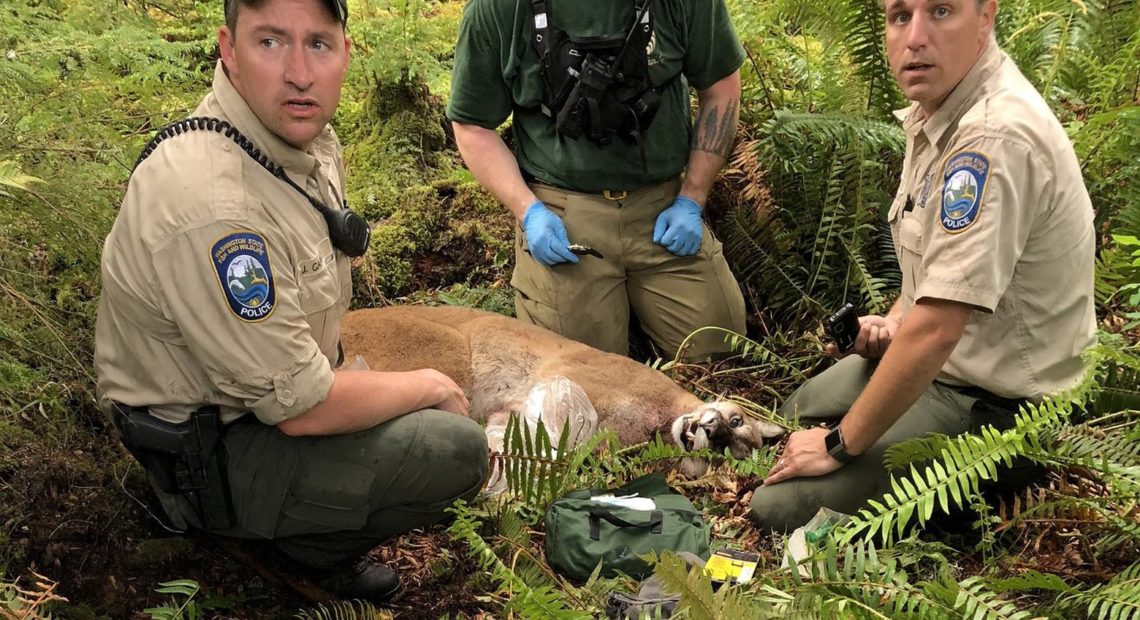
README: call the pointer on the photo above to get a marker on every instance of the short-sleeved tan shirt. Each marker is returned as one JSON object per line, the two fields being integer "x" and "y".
{"x": 220, "y": 284}
{"x": 992, "y": 212}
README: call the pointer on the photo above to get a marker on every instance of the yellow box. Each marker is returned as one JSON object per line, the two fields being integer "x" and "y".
{"x": 732, "y": 565}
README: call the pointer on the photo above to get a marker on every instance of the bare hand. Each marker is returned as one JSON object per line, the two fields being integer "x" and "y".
{"x": 445, "y": 393}
{"x": 875, "y": 335}
{"x": 805, "y": 455}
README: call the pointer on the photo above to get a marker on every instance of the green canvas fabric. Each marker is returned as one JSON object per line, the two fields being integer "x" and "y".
{"x": 497, "y": 73}
{"x": 582, "y": 532}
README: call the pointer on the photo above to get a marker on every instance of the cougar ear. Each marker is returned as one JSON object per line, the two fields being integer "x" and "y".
{"x": 767, "y": 429}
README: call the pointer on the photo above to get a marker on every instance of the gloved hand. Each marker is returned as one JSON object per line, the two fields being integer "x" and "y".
{"x": 679, "y": 227}
{"x": 546, "y": 236}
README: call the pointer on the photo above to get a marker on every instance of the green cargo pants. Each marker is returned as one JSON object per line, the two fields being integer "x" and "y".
{"x": 326, "y": 500}
{"x": 590, "y": 301}
{"x": 827, "y": 397}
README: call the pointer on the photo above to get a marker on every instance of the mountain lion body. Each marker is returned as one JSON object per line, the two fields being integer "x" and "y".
{"x": 497, "y": 359}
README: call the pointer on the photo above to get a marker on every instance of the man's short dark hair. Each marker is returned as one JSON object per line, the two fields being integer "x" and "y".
{"x": 338, "y": 9}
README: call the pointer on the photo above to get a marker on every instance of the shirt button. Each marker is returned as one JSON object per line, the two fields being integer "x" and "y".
{"x": 287, "y": 393}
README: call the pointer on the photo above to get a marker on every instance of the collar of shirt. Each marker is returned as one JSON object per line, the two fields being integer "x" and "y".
{"x": 297, "y": 163}
{"x": 965, "y": 93}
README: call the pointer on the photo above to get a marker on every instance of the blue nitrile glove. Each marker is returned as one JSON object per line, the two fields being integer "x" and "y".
{"x": 546, "y": 236}
{"x": 679, "y": 227}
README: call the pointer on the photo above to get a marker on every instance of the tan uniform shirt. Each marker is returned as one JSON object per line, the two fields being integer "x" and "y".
{"x": 992, "y": 212}
{"x": 220, "y": 284}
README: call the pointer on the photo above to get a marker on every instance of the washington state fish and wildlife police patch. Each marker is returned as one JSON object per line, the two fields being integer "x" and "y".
{"x": 962, "y": 190}
{"x": 241, "y": 259}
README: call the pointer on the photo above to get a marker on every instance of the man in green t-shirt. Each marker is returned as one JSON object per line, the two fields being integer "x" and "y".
{"x": 624, "y": 196}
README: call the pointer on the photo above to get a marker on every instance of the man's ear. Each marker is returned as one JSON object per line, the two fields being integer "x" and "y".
{"x": 989, "y": 13}
{"x": 226, "y": 49}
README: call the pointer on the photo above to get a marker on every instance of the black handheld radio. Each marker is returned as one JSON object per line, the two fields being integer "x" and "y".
{"x": 843, "y": 327}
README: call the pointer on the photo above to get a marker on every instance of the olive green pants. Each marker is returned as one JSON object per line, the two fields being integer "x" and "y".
{"x": 327, "y": 500}
{"x": 827, "y": 397}
{"x": 590, "y": 301}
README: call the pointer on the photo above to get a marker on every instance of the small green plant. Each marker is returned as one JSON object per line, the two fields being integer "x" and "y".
{"x": 344, "y": 610}
{"x": 186, "y": 610}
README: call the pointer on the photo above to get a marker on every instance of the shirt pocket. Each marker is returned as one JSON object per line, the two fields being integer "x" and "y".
{"x": 912, "y": 246}
{"x": 317, "y": 279}
{"x": 896, "y": 209}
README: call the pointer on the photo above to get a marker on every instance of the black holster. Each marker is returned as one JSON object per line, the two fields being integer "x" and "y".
{"x": 185, "y": 459}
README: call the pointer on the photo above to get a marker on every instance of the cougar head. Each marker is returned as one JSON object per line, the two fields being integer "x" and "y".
{"x": 717, "y": 426}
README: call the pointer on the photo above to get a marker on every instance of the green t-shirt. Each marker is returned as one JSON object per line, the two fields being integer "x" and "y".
{"x": 497, "y": 72}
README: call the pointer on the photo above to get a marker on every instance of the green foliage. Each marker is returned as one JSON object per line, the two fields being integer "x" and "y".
{"x": 951, "y": 478}
{"x": 698, "y": 600}
{"x": 186, "y": 610}
{"x": 540, "y": 601}
{"x": 406, "y": 40}
{"x": 1118, "y": 599}
{"x": 343, "y": 610}
{"x": 825, "y": 176}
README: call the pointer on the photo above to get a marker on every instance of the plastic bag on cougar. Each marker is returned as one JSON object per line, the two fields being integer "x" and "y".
{"x": 556, "y": 401}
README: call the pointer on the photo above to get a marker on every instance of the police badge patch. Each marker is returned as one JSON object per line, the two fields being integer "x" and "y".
{"x": 962, "y": 189}
{"x": 241, "y": 260}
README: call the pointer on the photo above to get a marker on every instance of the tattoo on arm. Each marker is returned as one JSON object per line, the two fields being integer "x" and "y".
{"x": 715, "y": 130}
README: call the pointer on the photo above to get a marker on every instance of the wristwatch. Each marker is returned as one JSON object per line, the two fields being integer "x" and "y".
{"x": 833, "y": 441}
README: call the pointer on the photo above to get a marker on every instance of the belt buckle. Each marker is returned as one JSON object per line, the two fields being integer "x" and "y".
{"x": 612, "y": 195}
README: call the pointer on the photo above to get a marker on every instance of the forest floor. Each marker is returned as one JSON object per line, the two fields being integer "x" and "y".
{"x": 83, "y": 516}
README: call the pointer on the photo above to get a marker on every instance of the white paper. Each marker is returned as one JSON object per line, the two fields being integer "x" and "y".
{"x": 627, "y": 501}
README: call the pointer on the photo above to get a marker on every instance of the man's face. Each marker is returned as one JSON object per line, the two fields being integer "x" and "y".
{"x": 932, "y": 44}
{"x": 287, "y": 60}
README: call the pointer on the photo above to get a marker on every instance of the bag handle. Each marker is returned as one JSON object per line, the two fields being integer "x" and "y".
{"x": 596, "y": 516}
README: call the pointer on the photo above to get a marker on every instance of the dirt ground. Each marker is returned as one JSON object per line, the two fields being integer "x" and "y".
{"x": 77, "y": 511}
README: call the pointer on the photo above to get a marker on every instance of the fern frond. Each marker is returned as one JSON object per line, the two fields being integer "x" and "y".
{"x": 916, "y": 450}
{"x": 540, "y": 601}
{"x": 856, "y": 580}
{"x": 1118, "y": 599}
{"x": 344, "y": 610}
{"x": 698, "y": 600}
{"x": 965, "y": 461}
{"x": 976, "y": 601}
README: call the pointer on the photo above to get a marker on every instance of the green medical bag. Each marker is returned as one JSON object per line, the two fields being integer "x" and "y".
{"x": 615, "y": 526}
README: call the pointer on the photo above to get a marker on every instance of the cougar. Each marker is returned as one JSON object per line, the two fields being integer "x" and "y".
{"x": 497, "y": 359}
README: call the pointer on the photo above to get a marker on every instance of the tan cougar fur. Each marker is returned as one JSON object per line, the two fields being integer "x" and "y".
{"x": 497, "y": 359}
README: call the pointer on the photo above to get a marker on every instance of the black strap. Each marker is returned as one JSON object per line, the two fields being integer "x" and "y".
{"x": 540, "y": 39}
{"x": 596, "y": 516}
{"x": 208, "y": 123}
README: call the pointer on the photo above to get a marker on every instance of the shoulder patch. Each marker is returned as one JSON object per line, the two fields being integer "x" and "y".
{"x": 963, "y": 187}
{"x": 241, "y": 260}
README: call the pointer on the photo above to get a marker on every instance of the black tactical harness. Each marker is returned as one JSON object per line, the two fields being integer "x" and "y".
{"x": 598, "y": 86}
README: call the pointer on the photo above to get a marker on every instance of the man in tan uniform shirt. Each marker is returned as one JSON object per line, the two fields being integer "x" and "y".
{"x": 992, "y": 226}
{"x": 221, "y": 288}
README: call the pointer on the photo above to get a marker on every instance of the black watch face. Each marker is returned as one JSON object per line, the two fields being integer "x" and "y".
{"x": 831, "y": 440}
{"x": 834, "y": 444}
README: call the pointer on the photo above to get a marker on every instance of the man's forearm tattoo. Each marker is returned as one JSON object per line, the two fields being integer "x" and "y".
{"x": 715, "y": 130}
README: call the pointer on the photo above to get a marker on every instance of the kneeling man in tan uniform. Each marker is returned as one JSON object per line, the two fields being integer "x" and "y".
{"x": 993, "y": 230}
